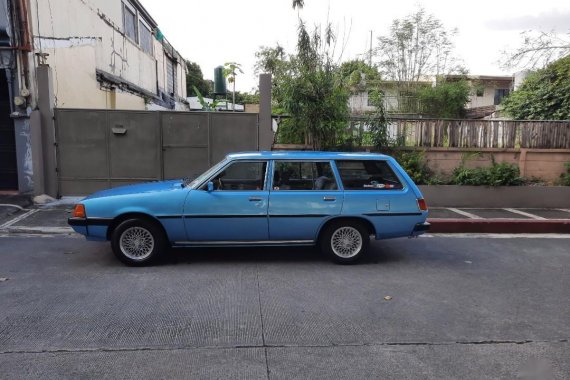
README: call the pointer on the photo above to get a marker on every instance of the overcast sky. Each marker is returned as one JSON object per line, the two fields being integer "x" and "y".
{"x": 213, "y": 32}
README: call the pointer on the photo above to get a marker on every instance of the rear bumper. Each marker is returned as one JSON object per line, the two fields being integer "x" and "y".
{"x": 420, "y": 228}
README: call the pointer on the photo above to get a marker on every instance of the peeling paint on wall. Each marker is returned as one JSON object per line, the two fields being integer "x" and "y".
{"x": 57, "y": 43}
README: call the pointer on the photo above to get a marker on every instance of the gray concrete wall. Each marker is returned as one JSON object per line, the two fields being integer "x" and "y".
{"x": 265, "y": 131}
{"x": 45, "y": 106}
{"x": 501, "y": 197}
{"x": 98, "y": 149}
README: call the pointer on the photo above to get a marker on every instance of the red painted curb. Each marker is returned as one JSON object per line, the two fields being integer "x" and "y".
{"x": 500, "y": 226}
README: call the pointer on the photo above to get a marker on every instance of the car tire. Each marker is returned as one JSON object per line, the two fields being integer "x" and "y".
{"x": 345, "y": 241}
{"x": 138, "y": 242}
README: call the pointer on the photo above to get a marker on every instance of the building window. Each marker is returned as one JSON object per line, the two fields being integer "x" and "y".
{"x": 145, "y": 37}
{"x": 130, "y": 22}
{"x": 170, "y": 76}
{"x": 500, "y": 93}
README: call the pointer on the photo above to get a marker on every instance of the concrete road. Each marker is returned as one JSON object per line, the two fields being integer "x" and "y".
{"x": 466, "y": 308}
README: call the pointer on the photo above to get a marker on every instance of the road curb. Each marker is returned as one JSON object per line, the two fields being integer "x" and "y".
{"x": 503, "y": 226}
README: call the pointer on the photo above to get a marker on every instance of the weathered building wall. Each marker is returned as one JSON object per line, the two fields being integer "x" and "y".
{"x": 83, "y": 37}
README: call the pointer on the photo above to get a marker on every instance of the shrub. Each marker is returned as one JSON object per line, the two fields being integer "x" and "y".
{"x": 502, "y": 174}
{"x": 446, "y": 99}
{"x": 415, "y": 165}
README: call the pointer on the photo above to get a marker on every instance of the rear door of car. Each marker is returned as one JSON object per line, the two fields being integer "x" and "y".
{"x": 373, "y": 189}
{"x": 303, "y": 195}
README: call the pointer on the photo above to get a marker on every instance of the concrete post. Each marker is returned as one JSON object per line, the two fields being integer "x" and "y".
{"x": 265, "y": 131}
{"x": 46, "y": 105}
{"x": 37, "y": 153}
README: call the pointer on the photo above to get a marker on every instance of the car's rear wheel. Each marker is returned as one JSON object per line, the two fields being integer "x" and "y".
{"x": 138, "y": 242}
{"x": 345, "y": 241}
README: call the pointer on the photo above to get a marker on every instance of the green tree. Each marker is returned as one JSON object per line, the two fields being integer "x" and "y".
{"x": 247, "y": 98}
{"x": 417, "y": 45}
{"x": 195, "y": 78}
{"x": 377, "y": 121}
{"x": 358, "y": 75}
{"x": 446, "y": 100}
{"x": 231, "y": 70}
{"x": 274, "y": 61}
{"x": 210, "y": 107}
{"x": 313, "y": 94}
{"x": 298, "y": 4}
{"x": 538, "y": 49}
{"x": 270, "y": 60}
{"x": 544, "y": 94}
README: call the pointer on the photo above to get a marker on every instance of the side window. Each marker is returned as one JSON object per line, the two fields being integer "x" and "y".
{"x": 240, "y": 176}
{"x": 130, "y": 22}
{"x": 303, "y": 175}
{"x": 145, "y": 37}
{"x": 367, "y": 175}
{"x": 170, "y": 76}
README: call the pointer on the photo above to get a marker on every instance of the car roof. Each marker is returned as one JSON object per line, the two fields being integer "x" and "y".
{"x": 303, "y": 155}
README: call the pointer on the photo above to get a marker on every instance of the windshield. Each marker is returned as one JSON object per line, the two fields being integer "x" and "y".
{"x": 201, "y": 178}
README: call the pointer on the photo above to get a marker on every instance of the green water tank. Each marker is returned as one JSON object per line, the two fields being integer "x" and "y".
{"x": 219, "y": 81}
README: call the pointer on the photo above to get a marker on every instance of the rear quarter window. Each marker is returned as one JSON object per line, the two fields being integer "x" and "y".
{"x": 367, "y": 175}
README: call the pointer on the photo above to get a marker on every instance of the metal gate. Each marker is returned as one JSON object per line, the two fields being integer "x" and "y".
{"x": 8, "y": 165}
{"x": 98, "y": 149}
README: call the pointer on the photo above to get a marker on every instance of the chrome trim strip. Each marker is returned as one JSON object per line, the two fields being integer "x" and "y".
{"x": 392, "y": 214}
{"x": 241, "y": 242}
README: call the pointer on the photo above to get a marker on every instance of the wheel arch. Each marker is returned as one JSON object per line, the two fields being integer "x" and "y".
{"x": 133, "y": 215}
{"x": 367, "y": 223}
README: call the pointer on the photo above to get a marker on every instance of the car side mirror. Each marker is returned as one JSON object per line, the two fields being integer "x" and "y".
{"x": 210, "y": 186}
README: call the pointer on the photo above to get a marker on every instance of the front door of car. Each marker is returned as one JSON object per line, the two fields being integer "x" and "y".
{"x": 235, "y": 209}
{"x": 303, "y": 195}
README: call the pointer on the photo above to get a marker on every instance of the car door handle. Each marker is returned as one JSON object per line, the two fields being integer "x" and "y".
{"x": 329, "y": 199}
{"x": 255, "y": 199}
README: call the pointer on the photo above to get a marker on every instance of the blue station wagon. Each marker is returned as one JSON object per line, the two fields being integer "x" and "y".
{"x": 333, "y": 200}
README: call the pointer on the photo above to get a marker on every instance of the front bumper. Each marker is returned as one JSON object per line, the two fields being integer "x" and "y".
{"x": 92, "y": 228}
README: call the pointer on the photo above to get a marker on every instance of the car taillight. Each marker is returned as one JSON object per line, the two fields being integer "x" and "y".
{"x": 422, "y": 205}
{"x": 79, "y": 211}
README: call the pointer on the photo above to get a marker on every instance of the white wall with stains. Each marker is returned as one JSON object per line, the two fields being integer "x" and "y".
{"x": 82, "y": 37}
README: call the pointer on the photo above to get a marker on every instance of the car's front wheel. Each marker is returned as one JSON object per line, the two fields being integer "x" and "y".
{"x": 138, "y": 242}
{"x": 345, "y": 241}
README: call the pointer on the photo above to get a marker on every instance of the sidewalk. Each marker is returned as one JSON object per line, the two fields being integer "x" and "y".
{"x": 499, "y": 220}
{"x": 23, "y": 217}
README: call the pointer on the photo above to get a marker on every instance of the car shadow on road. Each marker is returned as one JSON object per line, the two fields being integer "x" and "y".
{"x": 376, "y": 255}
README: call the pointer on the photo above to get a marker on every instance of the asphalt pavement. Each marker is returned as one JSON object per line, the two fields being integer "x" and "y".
{"x": 433, "y": 307}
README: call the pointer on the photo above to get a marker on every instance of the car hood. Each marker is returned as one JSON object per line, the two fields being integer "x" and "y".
{"x": 148, "y": 187}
